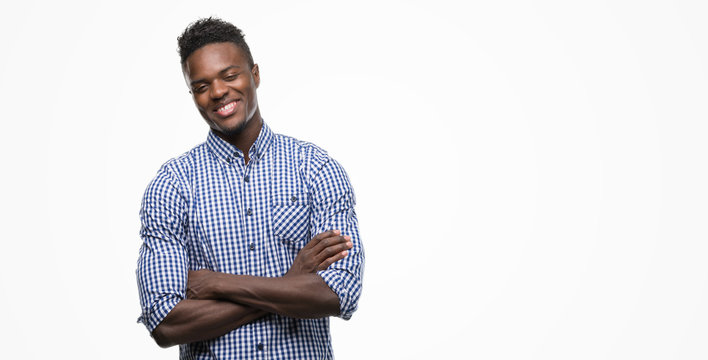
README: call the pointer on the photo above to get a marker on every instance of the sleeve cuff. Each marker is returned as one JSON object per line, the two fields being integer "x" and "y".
{"x": 154, "y": 316}
{"x": 335, "y": 282}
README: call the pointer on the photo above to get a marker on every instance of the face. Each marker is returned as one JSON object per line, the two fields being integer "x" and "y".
{"x": 223, "y": 86}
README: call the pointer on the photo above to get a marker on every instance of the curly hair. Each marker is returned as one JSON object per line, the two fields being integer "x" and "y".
{"x": 207, "y": 31}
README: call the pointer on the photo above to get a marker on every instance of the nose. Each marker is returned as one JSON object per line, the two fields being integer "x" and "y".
{"x": 218, "y": 89}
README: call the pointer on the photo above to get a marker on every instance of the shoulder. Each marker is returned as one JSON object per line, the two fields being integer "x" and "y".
{"x": 310, "y": 158}
{"x": 178, "y": 171}
{"x": 289, "y": 143}
{"x": 322, "y": 173}
{"x": 188, "y": 160}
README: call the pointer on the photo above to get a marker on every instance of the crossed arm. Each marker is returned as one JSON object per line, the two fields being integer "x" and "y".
{"x": 212, "y": 304}
{"x": 217, "y": 303}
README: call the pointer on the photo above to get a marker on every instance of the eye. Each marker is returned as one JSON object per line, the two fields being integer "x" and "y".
{"x": 199, "y": 89}
{"x": 230, "y": 77}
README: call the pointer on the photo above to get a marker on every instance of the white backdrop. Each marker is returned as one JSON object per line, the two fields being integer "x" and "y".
{"x": 531, "y": 176}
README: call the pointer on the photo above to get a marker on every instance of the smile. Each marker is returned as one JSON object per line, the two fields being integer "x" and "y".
{"x": 227, "y": 109}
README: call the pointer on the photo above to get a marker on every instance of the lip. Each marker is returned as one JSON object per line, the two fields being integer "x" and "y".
{"x": 223, "y": 110}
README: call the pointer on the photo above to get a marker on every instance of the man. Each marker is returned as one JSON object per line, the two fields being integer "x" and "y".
{"x": 250, "y": 240}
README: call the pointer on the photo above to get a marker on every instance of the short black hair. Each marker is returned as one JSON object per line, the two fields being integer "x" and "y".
{"x": 207, "y": 31}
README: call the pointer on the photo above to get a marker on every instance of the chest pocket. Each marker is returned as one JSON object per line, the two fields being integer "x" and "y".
{"x": 291, "y": 216}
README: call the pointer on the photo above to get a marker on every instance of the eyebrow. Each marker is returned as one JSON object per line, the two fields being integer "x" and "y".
{"x": 220, "y": 73}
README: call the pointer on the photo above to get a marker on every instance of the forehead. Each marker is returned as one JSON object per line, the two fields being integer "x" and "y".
{"x": 210, "y": 59}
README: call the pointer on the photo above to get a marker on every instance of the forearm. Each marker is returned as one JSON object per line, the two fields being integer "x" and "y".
{"x": 303, "y": 296}
{"x": 196, "y": 320}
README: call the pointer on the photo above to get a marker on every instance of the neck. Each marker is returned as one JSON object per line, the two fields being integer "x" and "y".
{"x": 245, "y": 138}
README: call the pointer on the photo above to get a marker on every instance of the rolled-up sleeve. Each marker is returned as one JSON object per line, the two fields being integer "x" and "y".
{"x": 162, "y": 262}
{"x": 333, "y": 202}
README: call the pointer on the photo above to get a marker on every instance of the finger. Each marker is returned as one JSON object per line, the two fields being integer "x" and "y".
{"x": 326, "y": 234}
{"x": 321, "y": 236}
{"x": 332, "y": 250}
{"x": 330, "y": 241}
{"x": 331, "y": 260}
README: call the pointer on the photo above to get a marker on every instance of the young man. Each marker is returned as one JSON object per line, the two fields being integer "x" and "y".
{"x": 250, "y": 240}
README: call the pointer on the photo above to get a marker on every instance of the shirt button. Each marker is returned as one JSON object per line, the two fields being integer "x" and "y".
{"x": 293, "y": 199}
{"x": 252, "y": 246}
{"x": 245, "y": 178}
{"x": 260, "y": 347}
{"x": 249, "y": 212}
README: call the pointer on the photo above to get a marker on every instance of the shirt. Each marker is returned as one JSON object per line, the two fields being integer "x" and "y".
{"x": 208, "y": 210}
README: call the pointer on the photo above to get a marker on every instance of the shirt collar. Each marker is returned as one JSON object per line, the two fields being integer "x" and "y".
{"x": 227, "y": 152}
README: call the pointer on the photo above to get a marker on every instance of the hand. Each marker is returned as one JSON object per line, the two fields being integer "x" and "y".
{"x": 322, "y": 251}
{"x": 201, "y": 284}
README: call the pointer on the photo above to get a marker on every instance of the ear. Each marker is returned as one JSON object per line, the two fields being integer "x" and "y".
{"x": 256, "y": 74}
{"x": 185, "y": 74}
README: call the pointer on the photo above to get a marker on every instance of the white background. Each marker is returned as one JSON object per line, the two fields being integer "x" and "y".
{"x": 531, "y": 176}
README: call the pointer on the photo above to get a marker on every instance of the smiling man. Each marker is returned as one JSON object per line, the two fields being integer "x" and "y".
{"x": 250, "y": 240}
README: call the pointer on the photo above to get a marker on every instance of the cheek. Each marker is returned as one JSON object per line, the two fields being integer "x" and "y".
{"x": 246, "y": 84}
{"x": 201, "y": 107}
{"x": 200, "y": 101}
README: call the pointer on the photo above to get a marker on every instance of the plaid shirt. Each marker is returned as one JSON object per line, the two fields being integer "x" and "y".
{"x": 207, "y": 210}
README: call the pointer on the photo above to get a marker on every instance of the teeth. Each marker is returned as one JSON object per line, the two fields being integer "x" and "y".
{"x": 227, "y": 107}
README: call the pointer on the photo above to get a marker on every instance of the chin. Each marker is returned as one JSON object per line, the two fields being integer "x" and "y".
{"x": 231, "y": 130}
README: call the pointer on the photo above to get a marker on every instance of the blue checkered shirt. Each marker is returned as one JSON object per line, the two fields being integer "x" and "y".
{"x": 207, "y": 210}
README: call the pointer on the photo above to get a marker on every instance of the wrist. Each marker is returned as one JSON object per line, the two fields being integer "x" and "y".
{"x": 216, "y": 285}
